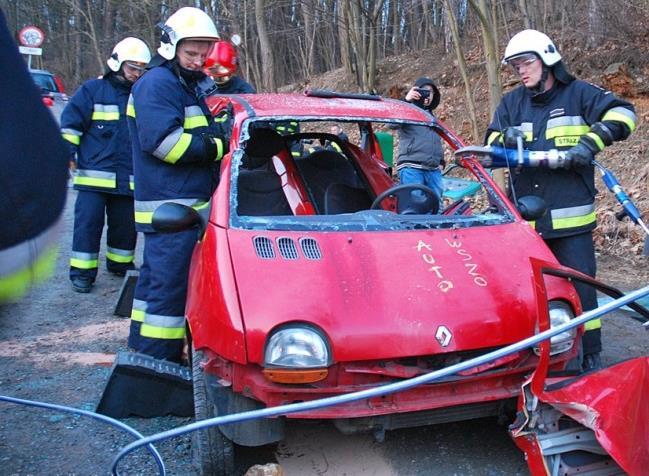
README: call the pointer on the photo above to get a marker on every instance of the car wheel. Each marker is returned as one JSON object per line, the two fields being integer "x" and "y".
{"x": 212, "y": 453}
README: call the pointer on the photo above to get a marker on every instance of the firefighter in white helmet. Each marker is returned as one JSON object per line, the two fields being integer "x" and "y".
{"x": 553, "y": 110}
{"x": 94, "y": 125}
{"x": 177, "y": 148}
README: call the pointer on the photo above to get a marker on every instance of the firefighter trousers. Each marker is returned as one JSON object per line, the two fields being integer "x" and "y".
{"x": 158, "y": 316}
{"x": 89, "y": 212}
{"x": 578, "y": 252}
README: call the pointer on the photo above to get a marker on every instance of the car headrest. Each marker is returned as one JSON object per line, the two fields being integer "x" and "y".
{"x": 264, "y": 142}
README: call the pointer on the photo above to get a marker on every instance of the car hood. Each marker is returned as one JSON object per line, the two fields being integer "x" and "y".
{"x": 379, "y": 295}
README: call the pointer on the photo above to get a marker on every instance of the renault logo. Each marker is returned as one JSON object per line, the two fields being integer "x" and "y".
{"x": 443, "y": 336}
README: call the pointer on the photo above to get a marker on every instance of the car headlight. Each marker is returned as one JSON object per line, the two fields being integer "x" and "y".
{"x": 297, "y": 347}
{"x": 560, "y": 313}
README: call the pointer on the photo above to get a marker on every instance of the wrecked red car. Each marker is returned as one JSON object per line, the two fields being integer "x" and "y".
{"x": 317, "y": 275}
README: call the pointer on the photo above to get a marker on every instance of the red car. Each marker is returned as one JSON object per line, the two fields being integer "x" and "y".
{"x": 317, "y": 275}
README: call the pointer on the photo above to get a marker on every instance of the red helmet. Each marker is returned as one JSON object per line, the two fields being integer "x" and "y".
{"x": 221, "y": 64}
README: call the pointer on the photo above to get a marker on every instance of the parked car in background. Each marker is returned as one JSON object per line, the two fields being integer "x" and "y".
{"x": 52, "y": 90}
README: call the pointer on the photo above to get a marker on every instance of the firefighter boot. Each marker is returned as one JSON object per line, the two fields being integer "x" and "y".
{"x": 81, "y": 284}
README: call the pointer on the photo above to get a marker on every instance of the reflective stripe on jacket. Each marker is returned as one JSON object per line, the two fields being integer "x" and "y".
{"x": 170, "y": 160}
{"x": 33, "y": 176}
{"x": 94, "y": 124}
{"x": 557, "y": 119}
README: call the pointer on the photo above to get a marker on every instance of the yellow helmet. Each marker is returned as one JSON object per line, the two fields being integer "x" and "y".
{"x": 188, "y": 22}
{"x": 129, "y": 49}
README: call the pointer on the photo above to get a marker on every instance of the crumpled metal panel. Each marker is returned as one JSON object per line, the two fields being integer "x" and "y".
{"x": 610, "y": 402}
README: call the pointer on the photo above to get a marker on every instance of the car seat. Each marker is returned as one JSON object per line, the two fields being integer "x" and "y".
{"x": 260, "y": 190}
{"x": 324, "y": 168}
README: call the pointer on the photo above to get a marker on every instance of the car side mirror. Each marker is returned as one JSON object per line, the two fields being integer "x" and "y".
{"x": 531, "y": 207}
{"x": 173, "y": 217}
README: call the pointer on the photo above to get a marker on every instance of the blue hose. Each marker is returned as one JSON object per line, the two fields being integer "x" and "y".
{"x": 385, "y": 389}
{"x": 96, "y": 416}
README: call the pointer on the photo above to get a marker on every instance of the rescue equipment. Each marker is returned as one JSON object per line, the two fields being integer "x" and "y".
{"x": 497, "y": 157}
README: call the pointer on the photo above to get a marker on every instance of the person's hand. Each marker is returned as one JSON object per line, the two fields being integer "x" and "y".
{"x": 413, "y": 95}
{"x": 579, "y": 156}
{"x": 510, "y": 137}
{"x": 211, "y": 144}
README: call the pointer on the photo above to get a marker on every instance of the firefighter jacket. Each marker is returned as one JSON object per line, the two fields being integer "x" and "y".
{"x": 33, "y": 176}
{"x": 236, "y": 85}
{"x": 94, "y": 124}
{"x": 559, "y": 119}
{"x": 177, "y": 144}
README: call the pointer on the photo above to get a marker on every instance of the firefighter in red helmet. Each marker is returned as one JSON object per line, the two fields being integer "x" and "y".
{"x": 221, "y": 65}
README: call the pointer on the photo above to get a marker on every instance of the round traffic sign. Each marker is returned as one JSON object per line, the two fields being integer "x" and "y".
{"x": 31, "y": 36}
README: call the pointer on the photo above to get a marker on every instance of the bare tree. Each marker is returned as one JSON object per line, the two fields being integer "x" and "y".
{"x": 266, "y": 57}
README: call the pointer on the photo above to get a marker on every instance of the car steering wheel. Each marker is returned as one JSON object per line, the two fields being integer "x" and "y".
{"x": 409, "y": 203}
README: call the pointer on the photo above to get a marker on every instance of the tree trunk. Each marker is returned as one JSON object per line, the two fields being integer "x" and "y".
{"x": 267, "y": 59}
{"x": 452, "y": 25}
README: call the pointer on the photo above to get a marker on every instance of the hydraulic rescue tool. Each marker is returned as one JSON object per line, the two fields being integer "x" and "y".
{"x": 497, "y": 157}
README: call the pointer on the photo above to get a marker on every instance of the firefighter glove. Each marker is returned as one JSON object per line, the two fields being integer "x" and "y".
{"x": 580, "y": 156}
{"x": 215, "y": 147}
{"x": 510, "y": 137}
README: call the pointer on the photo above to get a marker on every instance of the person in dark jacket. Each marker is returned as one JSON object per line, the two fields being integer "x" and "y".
{"x": 94, "y": 124}
{"x": 420, "y": 148}
{"x": 177, "y": 148}
{"x": 553, "y": 110}
{"x": 33, "y": 177}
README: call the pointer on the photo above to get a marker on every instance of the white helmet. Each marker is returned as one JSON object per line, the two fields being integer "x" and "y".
{"x": 188, "y": 22}
{"x": 532, "y": 41}
{"x": 129, "y": 49}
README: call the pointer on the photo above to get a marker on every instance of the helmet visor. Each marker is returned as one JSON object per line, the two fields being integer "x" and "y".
{"x": 136, "y": 65}
{"x": 521, "y": 60}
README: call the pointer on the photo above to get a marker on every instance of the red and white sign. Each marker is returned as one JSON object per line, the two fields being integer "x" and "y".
{"x": 31, "y": 36}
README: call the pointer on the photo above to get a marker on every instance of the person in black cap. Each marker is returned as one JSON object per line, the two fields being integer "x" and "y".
{"x": 420, "y": 148}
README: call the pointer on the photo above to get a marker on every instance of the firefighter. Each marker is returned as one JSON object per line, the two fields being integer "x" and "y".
{"x": 221, "y": 65}
{"x": 94, "y": 124}
{"x": 33, "y": 176}
{"x": 553, "y": 110}
{"x": 177, "y": 148}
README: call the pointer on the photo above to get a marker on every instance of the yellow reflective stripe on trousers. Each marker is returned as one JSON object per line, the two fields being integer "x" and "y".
{"x": 592, "y": 325}
{"x": 120, "y": 256}
{"x": 163, "y": 327}
{"x": 144, "y": 208}
{"x": 82, "y": 260}
{"x": 27, "y": 263}
{"x": 105, "y": 112}
{"x": 621, "y": 114}
{"x": 138, "y": 310}
{"x": 573, "y": 217}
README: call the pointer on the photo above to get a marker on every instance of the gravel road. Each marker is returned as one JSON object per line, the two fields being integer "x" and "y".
{"x": 57, "y": 346}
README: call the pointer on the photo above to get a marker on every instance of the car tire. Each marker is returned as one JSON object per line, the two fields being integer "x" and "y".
{"x": 212, "y": 452}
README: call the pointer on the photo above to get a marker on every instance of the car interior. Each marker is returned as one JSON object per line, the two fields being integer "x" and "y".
{"x": 321, "y": 169}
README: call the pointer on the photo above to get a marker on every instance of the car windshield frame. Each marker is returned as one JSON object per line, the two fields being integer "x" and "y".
{"x": 366, "y": 220}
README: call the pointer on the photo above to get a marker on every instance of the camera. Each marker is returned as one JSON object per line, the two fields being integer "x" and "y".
{"x": 424, "y": 93}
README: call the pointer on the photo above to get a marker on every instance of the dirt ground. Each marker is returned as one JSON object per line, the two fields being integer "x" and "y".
{"x": 57, "y": 346}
